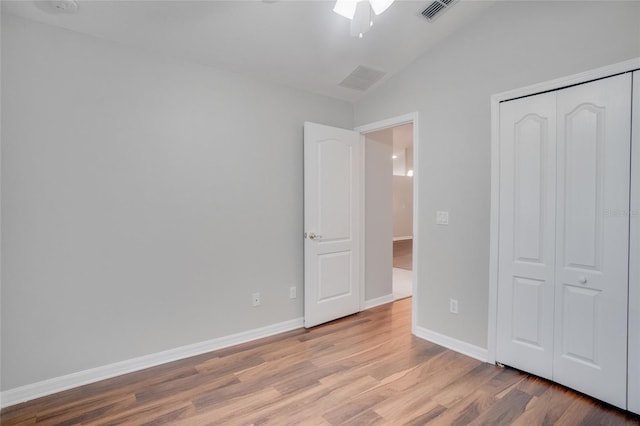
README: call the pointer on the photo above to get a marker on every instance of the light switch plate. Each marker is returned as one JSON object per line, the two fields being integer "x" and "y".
{"x": 442, "y": 218}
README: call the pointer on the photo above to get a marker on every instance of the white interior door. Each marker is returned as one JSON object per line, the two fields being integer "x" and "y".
{"x": 594, "y": 122}
{"x": 527, "y": 234}
{"x": 332, "y": 220}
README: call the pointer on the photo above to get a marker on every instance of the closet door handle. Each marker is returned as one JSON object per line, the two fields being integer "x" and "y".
{"x": 582, "y": 280}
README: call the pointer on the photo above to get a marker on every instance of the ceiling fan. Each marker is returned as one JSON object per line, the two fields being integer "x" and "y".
{"x": 359, "y": 12}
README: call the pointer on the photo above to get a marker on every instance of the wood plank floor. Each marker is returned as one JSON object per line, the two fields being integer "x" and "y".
{"x": 362, "y": 370}
{"x": 403, "y": 254}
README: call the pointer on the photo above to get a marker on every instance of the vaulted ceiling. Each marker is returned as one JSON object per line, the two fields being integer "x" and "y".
{"x": 302, "y": 44}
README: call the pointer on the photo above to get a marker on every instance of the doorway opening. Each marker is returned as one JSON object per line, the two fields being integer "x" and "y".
{"x": 389, "y": 169}
{"x": 402, "y": 204}
{"x": 346, "y": 205}
{"x": 390, "y": 204}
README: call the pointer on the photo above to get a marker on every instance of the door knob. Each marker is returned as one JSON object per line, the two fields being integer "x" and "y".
{"x": 582, "y": 280}
{"x": 314, "y": 236}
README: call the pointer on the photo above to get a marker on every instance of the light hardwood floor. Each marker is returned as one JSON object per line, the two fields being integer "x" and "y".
{"x": 361, "y": 370}
{"x": 402, "y": 281}
{"x": 403, "y": 254}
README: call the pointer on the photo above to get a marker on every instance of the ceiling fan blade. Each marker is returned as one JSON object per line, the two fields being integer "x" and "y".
{"x": 380, "y": 6}
{"x": 361, "y": 22}
{"x": 346, "y": 8}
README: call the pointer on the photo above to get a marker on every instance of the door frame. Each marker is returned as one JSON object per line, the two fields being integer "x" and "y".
{"x": 372, "y": 127}
{"x": 633, "y": 381}
{"x": 560, "y": 83}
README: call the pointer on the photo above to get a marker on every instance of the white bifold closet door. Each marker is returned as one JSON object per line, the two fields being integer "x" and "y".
{"x": 527, "y": 233}
{"x": 564, "y": 236}
{"x": 592, "y": 238}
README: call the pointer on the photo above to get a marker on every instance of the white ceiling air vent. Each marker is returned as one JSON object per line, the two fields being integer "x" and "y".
{"x": 362, "y": 78}
{"x": 436, "y": 9}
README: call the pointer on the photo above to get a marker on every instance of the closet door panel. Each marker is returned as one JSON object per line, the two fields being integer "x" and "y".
{"x": 593, "y": 154}
{"x": 633, "y": 398}
{"x": 526, "y": 257}
{"x": 583, "y": 178}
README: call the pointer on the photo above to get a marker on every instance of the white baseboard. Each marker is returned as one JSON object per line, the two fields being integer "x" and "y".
{"x": 402, "y": 238}
{"x": 454, "y": 344}
{"x": 372, "y": 303}
{"x": 57, "y": 384}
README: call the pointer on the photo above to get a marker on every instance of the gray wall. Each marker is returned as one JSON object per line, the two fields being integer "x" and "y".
{"x": 378, "y": 214}
{"x": 511, "y": 45}
{"x": 143, "y": 201}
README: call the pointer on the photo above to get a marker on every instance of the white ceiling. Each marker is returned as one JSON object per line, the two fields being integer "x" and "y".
{"x": 302, "y": 44}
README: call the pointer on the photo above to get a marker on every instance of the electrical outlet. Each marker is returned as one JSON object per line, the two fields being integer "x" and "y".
{"x": 292, "y": 292}
{"x": 255, "y": 299}
{"x": 453, "y": 306}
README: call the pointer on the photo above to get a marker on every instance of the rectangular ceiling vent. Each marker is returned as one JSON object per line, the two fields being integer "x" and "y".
{"x": 436, "y": 9}
{"x": 362, "y": 78}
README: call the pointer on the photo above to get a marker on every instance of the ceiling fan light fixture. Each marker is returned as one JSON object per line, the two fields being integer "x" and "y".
{"x": 346, "y": 8}
{"x": 380, "y": 6}
{"x": 359, "y": 12}
{"x": 361, "y": 22}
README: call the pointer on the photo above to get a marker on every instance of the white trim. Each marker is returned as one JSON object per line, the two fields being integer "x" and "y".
{"x": 410, "y": 237}
{"x": 454, "y": 344}
{"x": 618, "y": 68}
{"x": 494, "y": 235}
{"x": 363, "y": 219}
{"x": 58, "y": 384}
{"x": 383, "y": 300}
{"x": 389, "y": 122}
{"x": 633, "y": 380}
{"x": 385, "y": 124}
{"x": 559, "y": 83}
{"x": 416, "y": 203}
